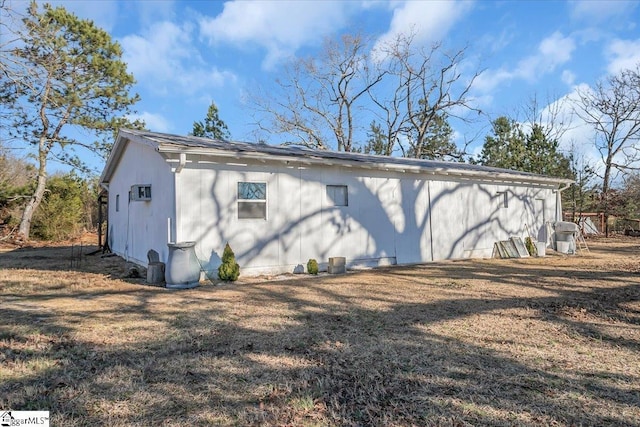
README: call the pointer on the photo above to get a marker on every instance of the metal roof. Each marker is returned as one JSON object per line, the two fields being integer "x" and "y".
{"x": 168, "y": 143}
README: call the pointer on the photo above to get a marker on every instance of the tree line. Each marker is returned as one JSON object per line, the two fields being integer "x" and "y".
{"x": 60, "y": 73}
{"x": 68, "y": 207}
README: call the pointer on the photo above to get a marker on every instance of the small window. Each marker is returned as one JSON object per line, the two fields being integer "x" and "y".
{"x": 252, "y": 200}
{"x": 503, "y": 199}
{"x": 338, "y": 195}
{"x": 117, "y": 203}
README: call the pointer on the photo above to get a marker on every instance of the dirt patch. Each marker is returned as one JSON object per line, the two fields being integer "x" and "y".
{"x": 553, "y": 341}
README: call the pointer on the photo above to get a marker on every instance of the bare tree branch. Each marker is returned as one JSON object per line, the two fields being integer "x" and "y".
{"x": 612, "y": 108}
{"x": 429, "y": 89}
{"x": 319, "y": 98}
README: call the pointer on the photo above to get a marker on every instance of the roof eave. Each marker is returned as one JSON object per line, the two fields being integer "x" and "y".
{"x": 124, "y": 137}
{"x": 113, "y": 159}
{"x": 311, "y": 160}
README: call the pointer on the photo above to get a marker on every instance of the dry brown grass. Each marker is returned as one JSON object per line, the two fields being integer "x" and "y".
{"x": 552, "y": 341}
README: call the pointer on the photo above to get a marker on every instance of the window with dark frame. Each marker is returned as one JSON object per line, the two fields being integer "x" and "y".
{"x": 252, "y": 200}
{"x": 117, "y": 203}
{"x": 338, "y": 195}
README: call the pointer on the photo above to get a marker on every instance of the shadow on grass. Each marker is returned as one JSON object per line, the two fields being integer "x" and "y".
{"x": 338, "y": 359}
{"x": 77, "y": 258}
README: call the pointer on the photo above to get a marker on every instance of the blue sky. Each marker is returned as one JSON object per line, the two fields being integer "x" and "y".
{"x": 185, "y": 54}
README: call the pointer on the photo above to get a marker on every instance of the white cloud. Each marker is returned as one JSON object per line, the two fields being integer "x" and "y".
{"x": 490, "y": 79}
{"x": 280, "y": 27}
{"x": 597, "y": 11}
{"x": 154, "y": 11}
{"x": 371, "y": 4}
{"x": 481, "y": 102}
{"x": 166, "y": 59}
{"x": 556, "y": 49}
{"x": 430, "y": 20}
{"x": 623, "y": 54}
{"x": 495, "y": 42}
{"x": 553, "y": 51}
{"x": 568, "y": 77}
{"x": 155, "y": 122}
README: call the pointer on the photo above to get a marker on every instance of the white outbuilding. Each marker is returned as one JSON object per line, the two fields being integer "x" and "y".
{"x": 279, "y": 206}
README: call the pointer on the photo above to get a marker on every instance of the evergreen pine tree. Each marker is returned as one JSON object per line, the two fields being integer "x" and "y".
{"x": 229, "y": 270}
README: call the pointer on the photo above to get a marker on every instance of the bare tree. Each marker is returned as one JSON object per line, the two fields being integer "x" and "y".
{"x": 411, "y": 91}
{"x": 612, "y": 108}
{"x": 389, "y": 99}
{"x": 553, "y": 120}
{"x": 430, "y": 88}
{"x": 578, "y": 198}
{"x": 322, "y": 93}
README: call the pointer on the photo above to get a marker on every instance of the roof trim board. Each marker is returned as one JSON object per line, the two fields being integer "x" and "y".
{"x": 185, "y": 145}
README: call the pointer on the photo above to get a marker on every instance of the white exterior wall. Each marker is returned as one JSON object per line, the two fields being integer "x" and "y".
{"x": 470, "y": 217}
{"x": 391, "y": 217}
{"x": 138, "y": 226}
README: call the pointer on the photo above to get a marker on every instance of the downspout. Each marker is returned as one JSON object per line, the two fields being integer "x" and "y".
{"x": 182, "y": 161}
{"x": 559, "y": 216}
{"x": 430, "y": 219}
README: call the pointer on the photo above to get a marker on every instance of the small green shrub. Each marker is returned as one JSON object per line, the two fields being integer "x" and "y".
{"x": 312, "y": 266}
{"x": 531, "y": 248}
{"x": 229, "y": 270}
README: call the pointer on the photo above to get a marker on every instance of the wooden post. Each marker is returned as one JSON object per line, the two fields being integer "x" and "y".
{"x": 102, "y": 203}
{"x": 100, "y": 220}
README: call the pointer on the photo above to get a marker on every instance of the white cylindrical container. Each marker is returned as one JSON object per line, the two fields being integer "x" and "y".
{"x": 541, "y": 248}
{"x": 183, "y": 269}
{"x": 563, "y": 247}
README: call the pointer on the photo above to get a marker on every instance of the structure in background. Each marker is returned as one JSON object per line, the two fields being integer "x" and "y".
{"x": 590, "y": 223}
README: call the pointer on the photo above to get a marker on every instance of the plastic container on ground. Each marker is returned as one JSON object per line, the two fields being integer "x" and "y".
{"x": 183, "y": 269}
{"x": 563, "y": 247}
{"x": 565, "y": 234}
